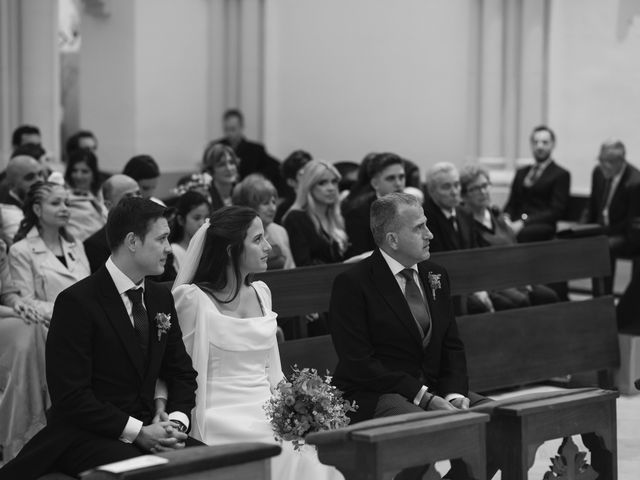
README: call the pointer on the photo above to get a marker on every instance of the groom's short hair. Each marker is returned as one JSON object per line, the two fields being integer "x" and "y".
{"x": 133, "y": 214}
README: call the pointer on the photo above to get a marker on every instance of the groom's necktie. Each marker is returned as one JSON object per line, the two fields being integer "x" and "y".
{"x": 140, "y": 320}
{"x": 416, "y": 302}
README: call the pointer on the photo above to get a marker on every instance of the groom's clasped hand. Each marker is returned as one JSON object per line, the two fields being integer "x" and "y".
{"x": 161, "y": 436}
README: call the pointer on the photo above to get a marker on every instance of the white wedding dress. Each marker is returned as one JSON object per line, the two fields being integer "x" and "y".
{"x": 238, "y": 363}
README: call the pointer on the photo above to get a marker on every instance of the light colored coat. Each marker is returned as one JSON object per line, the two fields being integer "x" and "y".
{"x": 39, "y": 275}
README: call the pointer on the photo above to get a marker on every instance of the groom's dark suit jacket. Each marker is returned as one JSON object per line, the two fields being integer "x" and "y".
{"x": 378, "y": 343}
{"x": 96, "y": 372}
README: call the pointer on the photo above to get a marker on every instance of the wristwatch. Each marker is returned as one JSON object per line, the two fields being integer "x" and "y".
{"x": 179, "y": 425}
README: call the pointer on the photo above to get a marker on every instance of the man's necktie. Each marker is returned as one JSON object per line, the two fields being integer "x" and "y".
{"x": 140, "y": 320}
{"x": 603, "y": 208}
{"x": 416, "y": 302}
{"x": 454, "y": 223}
{"x": 533, "y": 175}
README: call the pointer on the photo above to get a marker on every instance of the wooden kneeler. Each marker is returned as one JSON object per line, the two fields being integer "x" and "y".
{"x": 242, "y": 461}
{"x": 380, "y": 448}
{"x": 519, "y": 426}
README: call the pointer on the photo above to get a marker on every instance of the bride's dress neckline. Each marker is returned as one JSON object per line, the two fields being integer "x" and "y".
{"x": 209, "y": 294}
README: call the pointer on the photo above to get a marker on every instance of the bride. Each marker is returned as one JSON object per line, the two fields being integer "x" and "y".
{"x": 229, "y": 330}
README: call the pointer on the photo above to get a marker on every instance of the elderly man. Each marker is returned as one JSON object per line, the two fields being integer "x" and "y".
{"x": 453, "y": 227}
{"x": 22, "y": 172}
{"x": 392, "y": 323}
{"x": 540, "y": 192}
{"x": 114, "y": 189}
{"x": 387, "y": 174}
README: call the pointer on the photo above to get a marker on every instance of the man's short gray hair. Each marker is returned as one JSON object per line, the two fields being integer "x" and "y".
{"x": 384, "y": 214}
{"x": 433, "y": 172}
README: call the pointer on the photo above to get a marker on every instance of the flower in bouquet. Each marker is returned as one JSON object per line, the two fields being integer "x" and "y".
{"x": 306, "y": 403}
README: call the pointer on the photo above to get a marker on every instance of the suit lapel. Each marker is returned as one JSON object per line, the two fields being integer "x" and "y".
{"x": 119, "y": 319}
{"x": 390, "y": 291}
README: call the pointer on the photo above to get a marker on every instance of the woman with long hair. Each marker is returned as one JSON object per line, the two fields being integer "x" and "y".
{"x": 85, "y": 201}
{"x": 191, "y": 211}
{"x": 45, "y": 259}
{"x": 314, "y": 222}
{"x": 256, "y": 192}
{"x": 221, "y": 163}
{"x": 229, "y": 330}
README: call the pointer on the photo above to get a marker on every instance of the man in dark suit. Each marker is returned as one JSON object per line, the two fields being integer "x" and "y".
{"x": 114, "y": 189}
{"x": 392, "y": 322}
{"x": 387, "y": 175}
{"x": 540, "y": 192}
{"x": 615, "y": 204}
{"x": 112, "y": 336}
{"x": 615, "y": 199}
{"x": 452, "y": 227}
{"x": 253, "y": 156}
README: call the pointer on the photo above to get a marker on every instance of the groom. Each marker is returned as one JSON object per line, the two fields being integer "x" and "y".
{"x": 111, "y": 337}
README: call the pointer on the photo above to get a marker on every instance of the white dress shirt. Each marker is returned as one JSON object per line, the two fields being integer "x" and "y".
{"x": 396, "y": 267}
{"x": 123, "y": 284}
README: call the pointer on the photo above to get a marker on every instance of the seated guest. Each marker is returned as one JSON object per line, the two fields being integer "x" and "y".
{"x": 291, "y": 170}
{"x": 258, "y": 193}
{"x": 615, "y": 202}
{"x": 81, "y": 140}
{"x": 252, "y": 156}
{"x": 393, "y": 327}
{"x": 24, "y": 398}
{"x": 84, "y": 140}
{"x": 114, "y": 189}
{"x": 221, "y": 163}
{"x": 22, "y": 172}
{"x": 88, "y": 214}
{"x": 494, "y": 230}
{"x": 387, "y": 175}
{"x": 45, "y": 259}
{"x": 144, "y": 170}
{"x": 314, "y": 222}
{"x": 540, "y": 192}
{"x": 104, "y": 357}
{"x": 25, "y": 134}
{"x": 453, "y": 227}
{"x": 191, "y": 211}
{"x": 362, "y": 187}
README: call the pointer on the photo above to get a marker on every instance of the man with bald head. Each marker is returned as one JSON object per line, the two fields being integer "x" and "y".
{"x": 22, "y": 172}
{"x": 114, "y": 189}
{"x": 615, "y": 201}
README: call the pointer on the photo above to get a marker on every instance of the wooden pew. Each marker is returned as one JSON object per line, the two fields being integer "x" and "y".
{"x": 247, "y": 461}
{"x": 509, "y": 348}
{"x": 380, "y": 448}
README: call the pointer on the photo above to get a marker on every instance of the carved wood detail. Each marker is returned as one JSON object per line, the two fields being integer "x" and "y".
{"x": 570, "y": 464}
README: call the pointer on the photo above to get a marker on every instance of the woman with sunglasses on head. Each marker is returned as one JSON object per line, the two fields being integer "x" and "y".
{"x": 314, "y": 222}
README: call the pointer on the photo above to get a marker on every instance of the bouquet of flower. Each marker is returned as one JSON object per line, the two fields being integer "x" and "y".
{"x": 306, "y": 403}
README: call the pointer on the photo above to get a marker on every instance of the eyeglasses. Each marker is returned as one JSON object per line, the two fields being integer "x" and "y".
{"x": 477, "y": 188}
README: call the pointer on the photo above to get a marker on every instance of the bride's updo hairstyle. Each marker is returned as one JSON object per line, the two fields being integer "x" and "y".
{"x": 224, "y": 245}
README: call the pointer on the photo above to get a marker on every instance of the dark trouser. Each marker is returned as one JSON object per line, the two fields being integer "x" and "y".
{"x": 393, "y": 404}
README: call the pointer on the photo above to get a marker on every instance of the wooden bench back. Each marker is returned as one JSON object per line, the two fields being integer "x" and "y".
{"x": 507, "y": 348}
{"x": 308, "y": 289}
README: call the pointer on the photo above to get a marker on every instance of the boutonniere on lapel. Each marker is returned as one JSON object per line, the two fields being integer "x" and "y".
{"x": 434, "y": 283}
{"x": 163, "y": 323}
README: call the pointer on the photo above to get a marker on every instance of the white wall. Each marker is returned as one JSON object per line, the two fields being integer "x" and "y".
{"x": 344, "y": 78}
{"x": 594, "y": 83}
{"x": 143, "y": 78}
{"x": 171, "y": 81}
